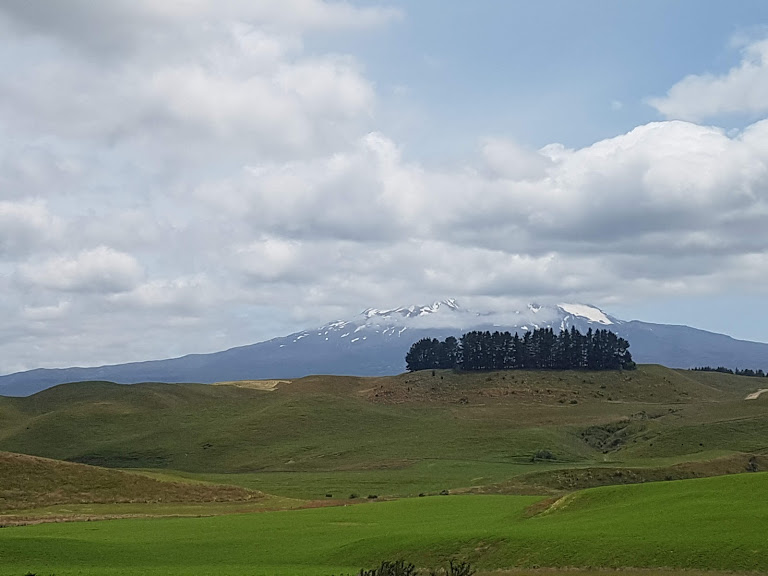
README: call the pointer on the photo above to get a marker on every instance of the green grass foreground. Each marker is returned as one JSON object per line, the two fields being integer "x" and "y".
{"x": 714, "y": 523}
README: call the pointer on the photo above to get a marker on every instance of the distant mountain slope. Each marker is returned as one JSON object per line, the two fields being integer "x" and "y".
{"x": 686, "y": 347}
{"x": 376, "y": 341}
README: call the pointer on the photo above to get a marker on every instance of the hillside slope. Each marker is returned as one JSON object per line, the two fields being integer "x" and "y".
{"x": 398, "y": 435}
{"x": 33, "y": 482}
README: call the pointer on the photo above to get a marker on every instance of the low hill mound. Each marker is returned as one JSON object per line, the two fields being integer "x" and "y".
{"x": 33, "y": 482}
{"x": 648, "y": 384}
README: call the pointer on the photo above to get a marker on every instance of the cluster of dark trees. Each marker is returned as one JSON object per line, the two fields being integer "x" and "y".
{"x": 748, "y": 372}
{"x": 540, "y": 349}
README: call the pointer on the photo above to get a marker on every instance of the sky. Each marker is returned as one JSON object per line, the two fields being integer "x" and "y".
{"x": 190, "y": 175}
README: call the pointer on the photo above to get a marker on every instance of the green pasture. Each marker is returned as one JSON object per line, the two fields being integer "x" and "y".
{"x": 328, "y": 424}
{"x": 432, "y": 476}
{"x": 396, "y": 436}
{"x": 198, "y": 428}
{"x": 715, "y": 523}
{"x": 406, "y": 479}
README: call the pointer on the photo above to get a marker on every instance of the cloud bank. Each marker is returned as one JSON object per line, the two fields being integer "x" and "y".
{"x": 197, "y": 178}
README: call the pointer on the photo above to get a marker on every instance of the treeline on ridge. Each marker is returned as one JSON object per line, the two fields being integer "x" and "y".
{"x": 722, "y": 369}
{"x": 540, "y": 349}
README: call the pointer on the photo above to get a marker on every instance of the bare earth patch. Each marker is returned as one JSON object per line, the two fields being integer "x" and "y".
{"x": 755, "y": 395}
{"x": 96, "y": 513}
{"x": 269, "y": 385}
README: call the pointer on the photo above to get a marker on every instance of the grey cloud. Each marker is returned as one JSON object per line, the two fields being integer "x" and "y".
{"x": 104, "y": 28}
{"x": 246, "y": 90}
{"x": 99, "y": 270}
{"x": 182, "y": 296}
{"x": 24, "y": 228}
{"x": 112, "y": 28}
{"x": 508, "y": 159}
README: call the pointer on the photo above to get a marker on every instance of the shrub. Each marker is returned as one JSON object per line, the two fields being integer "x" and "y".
{"x": 396, "y": 568}
{"x": 401, "y": 568}
{"x": 542, "y": 455}
{"x": 455, "y": 568}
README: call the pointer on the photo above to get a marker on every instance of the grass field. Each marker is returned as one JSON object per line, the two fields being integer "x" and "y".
{"x": 714, "y": 523}
{"x": 29, "y": 481}
{"x": 506, "y": 445}
{"x": 401, "y": 435}
{"x": 34, "y": 489}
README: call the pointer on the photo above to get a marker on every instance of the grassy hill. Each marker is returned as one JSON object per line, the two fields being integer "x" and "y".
{"x": 512, "y": 448}
{"x": 36, "y": 489}
{"x": 714, "y": 524}
{"x": 29, "y": 481}
{"x": 401, "y": 435}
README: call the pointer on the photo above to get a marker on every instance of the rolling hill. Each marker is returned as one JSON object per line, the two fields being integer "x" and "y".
{"x": 401, "y": 435}
{"x": 512, "y": 449}
{"x": 33, "y": 482}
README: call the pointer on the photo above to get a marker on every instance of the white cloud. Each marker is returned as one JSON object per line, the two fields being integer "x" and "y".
{"x": 271, "y": 259}
{"x": 668, "y": 208}
{"x": 742, "y": 90}
{"x": 212, "y": 181}
{"x": 296, "y": 106}
{"x": 363, "y": 194}
{"x": 100, "y": 270}
{"x": 277, "y": 104}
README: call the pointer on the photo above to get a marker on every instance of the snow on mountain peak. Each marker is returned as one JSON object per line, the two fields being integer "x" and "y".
{"x": 589, "y": 312}
{"x": 448, "y": 314}
{"x": 410, "y": 311}
{"x": 451, "y": 303}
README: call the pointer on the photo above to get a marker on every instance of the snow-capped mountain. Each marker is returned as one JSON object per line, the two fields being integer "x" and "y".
{"x": 448, "y": 317}
{"x": 375, "y": 343}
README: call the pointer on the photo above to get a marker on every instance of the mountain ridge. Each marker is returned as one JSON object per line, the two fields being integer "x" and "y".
{"x": 375, "y": 342}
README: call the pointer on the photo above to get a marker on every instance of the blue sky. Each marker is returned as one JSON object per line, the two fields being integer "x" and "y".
{"x": 548, "y": 71}
{"x": 184, "y": 177}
